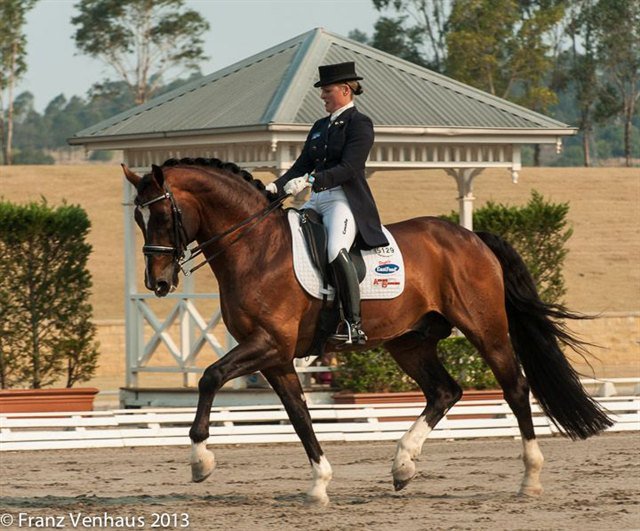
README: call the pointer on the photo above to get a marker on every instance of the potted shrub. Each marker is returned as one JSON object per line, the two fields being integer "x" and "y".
{"x": 372, "y": 376}
{"x": 46, "y": 333}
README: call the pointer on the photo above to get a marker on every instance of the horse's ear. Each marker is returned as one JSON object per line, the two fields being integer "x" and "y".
{"x": 158, "y": 175}
{"x": 132, "y": 177}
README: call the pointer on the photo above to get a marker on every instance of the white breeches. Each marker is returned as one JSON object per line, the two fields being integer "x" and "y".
{"x": 337, "y": 217}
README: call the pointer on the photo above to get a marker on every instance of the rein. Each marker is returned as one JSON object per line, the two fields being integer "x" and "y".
{"x": 182, "y": 255}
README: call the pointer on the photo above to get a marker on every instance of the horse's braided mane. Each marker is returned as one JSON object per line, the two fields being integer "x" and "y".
{"x": 228, "y": 167}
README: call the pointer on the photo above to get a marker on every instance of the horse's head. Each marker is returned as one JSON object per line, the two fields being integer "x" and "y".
{"x": 161, "y": 221}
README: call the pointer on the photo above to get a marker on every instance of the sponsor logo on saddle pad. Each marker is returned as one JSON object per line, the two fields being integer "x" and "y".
{"x": 385, "y": 282}
{"x": 387, "y": 269}
{"x": 384, "y": 277}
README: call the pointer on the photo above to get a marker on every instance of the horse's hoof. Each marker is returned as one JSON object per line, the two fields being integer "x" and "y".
{"x": 403, "y": 474}
{"x": 399, "y": 484}
{"x": 203, "y": 467}
{"x": 319, "y": 501}
{"x": 531, "y": 491}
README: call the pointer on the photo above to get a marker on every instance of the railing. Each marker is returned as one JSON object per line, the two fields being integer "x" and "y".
{"x": 270, "y": 424}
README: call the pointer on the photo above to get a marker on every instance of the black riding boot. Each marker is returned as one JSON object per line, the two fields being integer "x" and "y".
{"x": 349, "y": 292}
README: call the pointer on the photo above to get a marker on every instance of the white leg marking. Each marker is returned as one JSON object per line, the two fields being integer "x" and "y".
{"x": 409, "y": 446}
{"x": 322, "y": 475}
{"x": 533, "y": 460}
{"x": 202, "y": 461}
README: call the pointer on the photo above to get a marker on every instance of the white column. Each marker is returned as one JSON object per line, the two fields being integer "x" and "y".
{"x": 464, "y": 178}
{"x": 516, "y": 163}
{"x": 133, "y": 332}
{"x": 187, "y": 339}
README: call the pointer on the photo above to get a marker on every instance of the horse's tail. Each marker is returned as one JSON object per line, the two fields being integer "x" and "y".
{"x": 536, "y": 335}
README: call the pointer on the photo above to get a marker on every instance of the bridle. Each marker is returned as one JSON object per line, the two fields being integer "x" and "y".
{"x": 182, "y": 255}
{"x": 180, "y": 240}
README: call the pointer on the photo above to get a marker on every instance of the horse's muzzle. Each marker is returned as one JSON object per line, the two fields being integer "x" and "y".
{"x": 162, "y": 288}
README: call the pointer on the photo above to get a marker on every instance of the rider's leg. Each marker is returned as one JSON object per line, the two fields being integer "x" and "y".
{"x": 342, "y": 230}
{"x": 349, "y": 290}
{"x": 338, "y": 219}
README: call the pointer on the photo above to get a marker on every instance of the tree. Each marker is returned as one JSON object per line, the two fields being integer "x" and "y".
{"x": 142, "y": 40}
{"x": 390, "y": 36}
{"x": 13, "y": 66}
{"x": 503, "y": 47}
{"x": 420, "y": 25}
{"x": 582, "y": 68}
{"x": 500, "y": 46}
{"x": 617, "y": 24}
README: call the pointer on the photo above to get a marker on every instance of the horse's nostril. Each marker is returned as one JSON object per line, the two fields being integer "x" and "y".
{"x": 162, "y": 288}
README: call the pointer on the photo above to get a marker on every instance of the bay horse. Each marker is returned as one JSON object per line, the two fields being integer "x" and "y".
{"x": 475, "y": 282}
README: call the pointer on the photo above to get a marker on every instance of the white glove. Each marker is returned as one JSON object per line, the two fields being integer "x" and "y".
{"x": 271, "y": 187}
{"x": 295, "y": 186}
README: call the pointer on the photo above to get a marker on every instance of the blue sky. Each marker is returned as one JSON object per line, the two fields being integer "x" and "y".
{"x": 239, "y": 28}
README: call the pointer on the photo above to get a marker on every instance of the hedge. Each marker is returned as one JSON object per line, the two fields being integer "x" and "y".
{"x": 46, "y": 331}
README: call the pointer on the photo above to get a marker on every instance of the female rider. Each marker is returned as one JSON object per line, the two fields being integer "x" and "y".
{"x": 332, "y": 163}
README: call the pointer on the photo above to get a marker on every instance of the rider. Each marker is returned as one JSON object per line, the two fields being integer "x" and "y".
{"x": 332, "y": 163}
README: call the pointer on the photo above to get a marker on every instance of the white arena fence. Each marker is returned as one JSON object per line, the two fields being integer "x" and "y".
{"x": 270, "y": 424}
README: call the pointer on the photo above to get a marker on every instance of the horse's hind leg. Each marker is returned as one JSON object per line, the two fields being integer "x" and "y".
{"x": 417, "y": 356}
{"x": 494, "y": 346}
{"x": 505, "y": 367}
{"x": 286, "y": 384}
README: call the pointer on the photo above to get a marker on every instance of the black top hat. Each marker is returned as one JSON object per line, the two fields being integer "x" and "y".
{"x": 337, "y": 73}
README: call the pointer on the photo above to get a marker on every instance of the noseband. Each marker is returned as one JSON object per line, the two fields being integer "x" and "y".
{"x": 179, "y": 235}
{"x": 181, "y": 254}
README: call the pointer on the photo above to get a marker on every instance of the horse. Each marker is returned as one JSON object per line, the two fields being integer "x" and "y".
{"x": 473, "y": 281}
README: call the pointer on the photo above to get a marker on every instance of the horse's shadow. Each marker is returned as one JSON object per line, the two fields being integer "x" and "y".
{"x": 231, "y": 499}
{"x": 47, "y": 502}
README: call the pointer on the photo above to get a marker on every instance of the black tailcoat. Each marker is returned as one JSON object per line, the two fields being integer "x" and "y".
{"x": 335, "y": 153}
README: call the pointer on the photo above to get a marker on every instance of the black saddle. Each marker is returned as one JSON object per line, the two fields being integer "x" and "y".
{"x": 315, "y": 236}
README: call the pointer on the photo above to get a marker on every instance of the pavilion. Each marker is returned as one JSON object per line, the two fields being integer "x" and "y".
{"x": 257, "y": 113}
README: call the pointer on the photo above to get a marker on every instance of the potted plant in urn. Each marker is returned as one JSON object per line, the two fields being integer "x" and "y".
{"x": 46, "y": 332}
{"x": 372, "y": 376}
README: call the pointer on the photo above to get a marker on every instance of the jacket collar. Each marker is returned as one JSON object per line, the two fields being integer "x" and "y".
{"x": 344, "y": 116}
{"x": 334, "y": 115}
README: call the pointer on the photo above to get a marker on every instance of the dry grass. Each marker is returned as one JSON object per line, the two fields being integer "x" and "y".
{"x": 602, "y": 270}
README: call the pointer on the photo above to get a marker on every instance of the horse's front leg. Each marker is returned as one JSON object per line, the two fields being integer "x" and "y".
{"x": 286, "y": 384}
{"x": 249, "y": 356}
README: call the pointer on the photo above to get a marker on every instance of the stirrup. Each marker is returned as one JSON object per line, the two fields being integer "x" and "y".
{"x": 354, "y": 335}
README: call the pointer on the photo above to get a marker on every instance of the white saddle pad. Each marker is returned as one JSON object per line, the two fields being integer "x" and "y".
{"x": 384, "y": 277}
